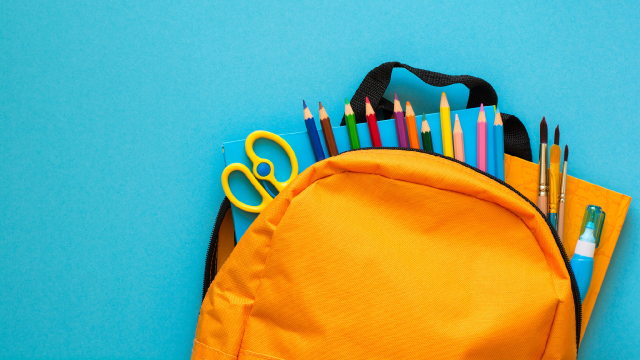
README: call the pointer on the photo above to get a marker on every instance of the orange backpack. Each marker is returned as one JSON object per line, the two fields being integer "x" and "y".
{"x": 392, "y": 254}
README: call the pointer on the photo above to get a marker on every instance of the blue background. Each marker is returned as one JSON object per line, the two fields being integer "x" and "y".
{"x": 113, "y": 115}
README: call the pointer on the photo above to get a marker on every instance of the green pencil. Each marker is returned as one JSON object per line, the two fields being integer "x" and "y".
{"x": 427, "y": 144}
{"x": 350, "y": 119}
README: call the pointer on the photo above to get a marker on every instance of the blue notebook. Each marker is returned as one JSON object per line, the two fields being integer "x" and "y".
{"x": 244, "y": 191}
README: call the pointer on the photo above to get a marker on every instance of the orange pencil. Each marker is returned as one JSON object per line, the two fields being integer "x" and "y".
{"x": 458, "y": 140}
{"x": 412, "y": 128}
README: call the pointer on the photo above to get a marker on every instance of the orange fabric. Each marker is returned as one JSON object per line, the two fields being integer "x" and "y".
{"x": 522, "y": 175}
{"x": 384, "y": 254}
{"x": 225, "y": 240}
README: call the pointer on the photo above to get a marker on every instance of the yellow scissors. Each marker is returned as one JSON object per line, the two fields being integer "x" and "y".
{"x": 262, "y": 170}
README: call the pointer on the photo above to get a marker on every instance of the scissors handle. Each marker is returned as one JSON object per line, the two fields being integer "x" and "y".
{"x": 261, "y": 171}
{"x": 266, "y": 198}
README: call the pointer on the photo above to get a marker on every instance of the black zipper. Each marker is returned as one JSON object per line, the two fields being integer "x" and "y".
{"x": 211, "y": 265}
{"x": 574, "y": 284}
{"x": 224, "y": 207}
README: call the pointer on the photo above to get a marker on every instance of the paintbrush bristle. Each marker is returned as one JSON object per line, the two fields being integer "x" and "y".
{"x": 543, "y": 131}
{"x": 556, "y": 136}
{"x": 566, "y": 152}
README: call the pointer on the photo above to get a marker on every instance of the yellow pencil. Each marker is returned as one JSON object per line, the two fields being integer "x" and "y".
{"x": 445, "y": 122}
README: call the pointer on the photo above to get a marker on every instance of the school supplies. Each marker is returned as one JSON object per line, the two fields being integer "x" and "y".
{"x": 350, "y": 119}
{"x": 458, "y": 140}
{"x": 542, "y": 164}
{"x": 445, "y": 121}
{"x": 325, "y": 170}
{"x": 498, "y": 132}
{"x": 427, "y": 143}
{"x": 400, "y": 123}
{"x": 579, "y": 195}
{"x": 554, "y": 178}
{"x": 327, "y": 130}
{"x": 582, "y": 260}
{"x": 313, "y": 133}
{"x": 482, "y": 140}
{"x": 412, "y": 130}
{"x": 563, "y": 194}
{"x": 234, "y": 152}
{"x": 372, "y": 122}
{"x": 263, "y": 170}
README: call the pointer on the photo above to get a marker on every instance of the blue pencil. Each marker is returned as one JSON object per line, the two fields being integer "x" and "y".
{"x": 491, "y": 150}
{"x": 313, "y": 133}
{"x": 499, "y": 145}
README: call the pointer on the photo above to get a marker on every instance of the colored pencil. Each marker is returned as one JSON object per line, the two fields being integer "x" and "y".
{"x": 313, "y": 133}
{"x": 327, "y": 130}
{"x": 498, "y": 131}
{"x": 542, "y": 168}
{"x": 554, "y": 179}
{"x": 482, "y": 140}
{"x": 350, "y": 119}
{"x": 412, "y": 128}
{"x": 458, "y": 140}
{"x": 373, "y": 125}
{"x": 427, "y": 142}
{"x": 401, "y": 130}
{"x": 491, "y": 150}
{"x": 563, "y": 192}
{"x": 445, "y": 122}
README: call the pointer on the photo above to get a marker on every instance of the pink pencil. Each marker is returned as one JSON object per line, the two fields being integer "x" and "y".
{"x": 482, "y": 140}
{"x": 458, "y": 140}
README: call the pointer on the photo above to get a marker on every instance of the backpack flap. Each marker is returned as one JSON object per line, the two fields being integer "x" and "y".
{"x": 380, "y": 254}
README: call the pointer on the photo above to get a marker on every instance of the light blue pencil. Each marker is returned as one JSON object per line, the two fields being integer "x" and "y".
{"x": 491, "y": 150}
{"x": 499, "y": 145}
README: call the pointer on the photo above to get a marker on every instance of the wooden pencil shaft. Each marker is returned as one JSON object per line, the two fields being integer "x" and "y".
{"x": 427, "y": 143}
{"x": 329, "y": 138}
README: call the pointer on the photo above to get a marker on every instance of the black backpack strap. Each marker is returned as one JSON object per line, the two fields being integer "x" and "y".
{"x": 516, "y": 138}
{"x": 221, "y": 244}
{"x": 375, "y": 83}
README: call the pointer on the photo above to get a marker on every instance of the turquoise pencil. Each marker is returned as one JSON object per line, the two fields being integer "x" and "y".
{"x": 491, "y": 150}
{"x": 499, "y": 145}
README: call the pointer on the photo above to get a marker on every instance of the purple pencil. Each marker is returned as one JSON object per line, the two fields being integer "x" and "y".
{"x": 401, "y": 128}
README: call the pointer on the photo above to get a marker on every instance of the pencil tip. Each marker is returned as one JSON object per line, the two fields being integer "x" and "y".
{"x": 482, "y": 107}
{"x": 443, "y": 101}
{"x": 367, "y": 98}
{"x": 396, "y": 96}
{"x": 346, "y": 101}
{"x": 566, "y": 152}
{"x": 321, "y": 107}
{"x": 304, "y": 104}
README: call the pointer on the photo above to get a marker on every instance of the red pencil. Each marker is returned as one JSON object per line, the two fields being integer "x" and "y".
{"x": 373, "y": 125}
